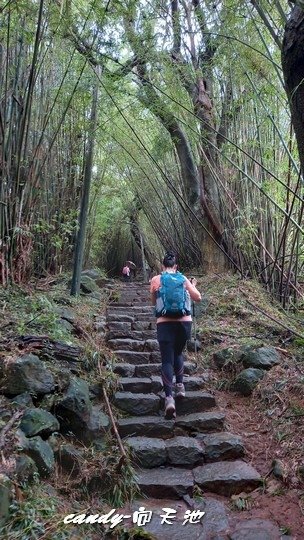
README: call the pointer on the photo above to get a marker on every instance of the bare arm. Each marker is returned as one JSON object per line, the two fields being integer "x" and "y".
{"x": 191, "y": 288}
{"x": 153, "y": 287}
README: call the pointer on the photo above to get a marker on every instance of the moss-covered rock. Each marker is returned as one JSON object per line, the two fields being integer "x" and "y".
{"x": 27, "y": 374}
{"x": 38, "y": 422}
{"x": 247, "y": 380}
{"x": 25, "y": 468}
{"x": 261, "y": 358}
{"x": 42, "y": 454}
{"x": 74, "y": 408}
{"x": 225, "y": 356}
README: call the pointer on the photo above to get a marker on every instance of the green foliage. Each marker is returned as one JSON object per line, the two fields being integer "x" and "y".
{"x": 30, "y": 517}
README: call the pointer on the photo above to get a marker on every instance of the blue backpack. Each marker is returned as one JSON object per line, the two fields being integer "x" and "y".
{"x": 172, "y": 298}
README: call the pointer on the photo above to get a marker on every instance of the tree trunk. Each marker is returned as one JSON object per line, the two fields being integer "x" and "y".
{"x": 293, "y": 70}
{"x": 81, "y": 236}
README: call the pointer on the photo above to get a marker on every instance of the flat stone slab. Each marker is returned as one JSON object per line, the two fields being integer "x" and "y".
{"x": 120, "y": 318}
{"x": 193, "y": 401}
{"x": 135, "y": 385}
{"x": 143, "y": 325}
{"x": 147, "y": 370}
{"x": 148, "y": 452}
{"x": 166, "y": 482}
{"x": 116, "y": 308}
{"x": 151, "y": 426}
{"x": 119, "y": 325}
{"x": 156, "y": 384}
{"x": 136, "y": 335}
{"x": 145, "y": 317}
{"x": 137, "y": 404}
{"x": 143, "y": 371}
{"x": 134, "y": 357}
{"x": 255, "y": 529}
{"x": 208, "y": 527}
{"x": 126, "y": 344}
{"x": 185, "y": 451}
{"x": 191, "y": 383}
{"x": 189, "y": 368}
{"x": 202, "y": 422}
{"x": 125, "y": 370}
{"x": 220, "y": 446}
{"x": 151, "y": 344}
{"x": 227, "y": 478}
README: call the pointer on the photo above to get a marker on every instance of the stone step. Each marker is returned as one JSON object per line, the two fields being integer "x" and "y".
{"x": 125, "y": 333}
{"x": 147, "y": 370}
{"x": 157, "y": 426}
{"x": 120, "y": 318}
{"x": 124, "y": 370}
{"x": 135, "y": 357}
{"x": 133, "y": 344}
{"x": 137, "y": 404}
{"x": 154, "y": 383}
{"x": 193, "y": 401}
{"x": 145, "y": 317}
{"x": 165, "y": 482}
{"x": 211, "y": 523}
{"x": 130, "y": 298}
{"x": 152, "y": 426}
{"x": 127, "y": 344}
{"x": 153, "y": 452}
{"x": 135, "y": 385}
{"x": 144, "y": 325}
{"x": 135, "y": 316}
{"x": 142, "y": 309}
{"x": 221, "y": 446}
{"x": 201, "y": 422}
{"x": 227, "y": 477}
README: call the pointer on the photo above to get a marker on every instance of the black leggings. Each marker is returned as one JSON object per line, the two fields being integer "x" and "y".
{"x": 172, "y": 338}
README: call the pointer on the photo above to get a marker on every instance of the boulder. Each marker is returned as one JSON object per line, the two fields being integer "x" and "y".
{"x": 92, "y": 273}
{"x": 42, "y": 454}
{"x": 27, "y": 374}
{"x": 247, "y": 380}
{"x": 88, "y": 285}
{"x": 226, "y": 356}
{"x": 65, "y": 313}
{"x": 25, "y": 468}
{"x": 74, "y": 408}
{"x": 47, "y": 402}
{"x": 5, "y": 497}
{"x": 69, "y": 458}
{"x": 23, "y": 400}
{"x": 38, "y": 422}
{"x": 96, "y": 427}
{"x": 262, "y": 358}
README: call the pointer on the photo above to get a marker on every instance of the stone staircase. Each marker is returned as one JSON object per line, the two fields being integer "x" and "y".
{"x": 176, "y": 458}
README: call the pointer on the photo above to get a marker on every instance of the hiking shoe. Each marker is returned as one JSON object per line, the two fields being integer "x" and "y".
{"x": 180, "y": 390}
{"x": 169, "y": 408}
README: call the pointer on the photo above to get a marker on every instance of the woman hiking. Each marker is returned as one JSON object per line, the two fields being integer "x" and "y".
{"x": 173, "y": 329}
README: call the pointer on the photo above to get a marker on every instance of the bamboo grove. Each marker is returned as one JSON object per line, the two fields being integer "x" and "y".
{"x": 197, "y": 137}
